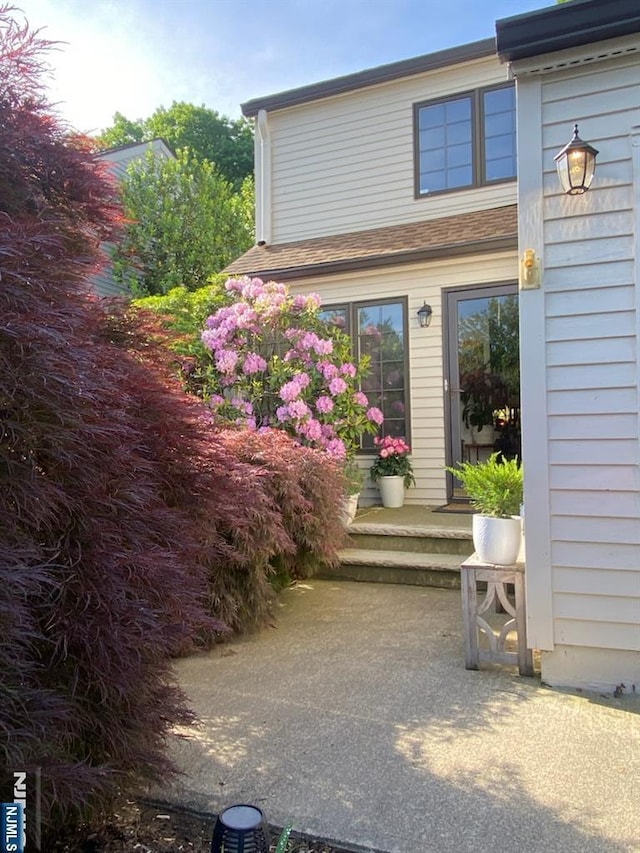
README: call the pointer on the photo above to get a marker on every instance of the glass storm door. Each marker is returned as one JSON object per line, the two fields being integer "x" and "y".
{"x": 482, "y": 382}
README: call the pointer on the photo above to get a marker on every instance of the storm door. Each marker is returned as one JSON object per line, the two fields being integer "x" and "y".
{"x": 482, "y": 376}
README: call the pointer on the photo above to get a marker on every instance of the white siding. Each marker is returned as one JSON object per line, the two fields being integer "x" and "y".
{"x": 419, "y": 283}
{"x": 585, "y": 341}
{"x": 346, "y": 163}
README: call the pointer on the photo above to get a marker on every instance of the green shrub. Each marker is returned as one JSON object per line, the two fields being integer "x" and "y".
{"x": 495, "y": 486}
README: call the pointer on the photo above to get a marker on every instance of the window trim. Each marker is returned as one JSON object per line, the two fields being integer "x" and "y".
{"x": 479, "y": 166}
{"x": 352, "y": 322}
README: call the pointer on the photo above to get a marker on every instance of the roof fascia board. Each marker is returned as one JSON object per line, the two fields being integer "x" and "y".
{"x": 371, "y": 77}
{"x": 585, "y": 55}
{"x": 475, "y": 247}
{"x": 568, "y": 25}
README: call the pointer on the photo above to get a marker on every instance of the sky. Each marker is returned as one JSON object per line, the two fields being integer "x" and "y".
{"x": 133, "y": 56}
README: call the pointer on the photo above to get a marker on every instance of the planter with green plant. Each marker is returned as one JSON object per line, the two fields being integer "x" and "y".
{"x": 354, "y": 482}
{"x": 495, "y": 488}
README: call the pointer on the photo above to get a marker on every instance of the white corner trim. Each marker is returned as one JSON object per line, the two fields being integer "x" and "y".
{"x": 263, "y": 178}
{"x": 634, "y": 138}
{"x": 533, "y": 372}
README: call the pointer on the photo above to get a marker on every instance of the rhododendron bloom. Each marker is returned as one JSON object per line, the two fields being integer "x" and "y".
{"x": 374, "y": 414}
{"x": 348, "y": 369}
{"x": 299, "y": 409}
{"x": 254, "y": 363}
{"x": 337, "y": 386}
{"x": 324, "y": 404}
{"x": 360, "y": 398}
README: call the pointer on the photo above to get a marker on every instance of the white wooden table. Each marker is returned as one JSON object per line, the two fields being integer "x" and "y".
{"x": 476, "y": 627}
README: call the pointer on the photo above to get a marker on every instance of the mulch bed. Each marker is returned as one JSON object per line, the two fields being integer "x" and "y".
{"x": 145, "y": 828}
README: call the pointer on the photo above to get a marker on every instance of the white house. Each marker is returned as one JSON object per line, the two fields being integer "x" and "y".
{"x": 395, "y": 188}
{"x": 118, "y": 161}
{"x": 579, "y": 337}
{"x": 386, "y": 190}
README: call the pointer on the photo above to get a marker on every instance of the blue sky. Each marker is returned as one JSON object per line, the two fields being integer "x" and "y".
{"x": 133, "y": 56}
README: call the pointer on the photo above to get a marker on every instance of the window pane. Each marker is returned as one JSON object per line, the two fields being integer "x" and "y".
{"x": 462, "y": 177}
{"x": 458, "y": 110}
{"x": 431, "y": 182}
{"x": 432, "y": 138}
{"x": 338, "y": 317}
{"x": 446, "y": 145}
{"x": 432, "y": 116}
{"x": 459, "y": 155}
{"x": 381, "y": 335}
{"x": 500, "y": 134}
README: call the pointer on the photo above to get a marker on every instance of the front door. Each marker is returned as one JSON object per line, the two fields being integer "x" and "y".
{"x": 482, "y": 381}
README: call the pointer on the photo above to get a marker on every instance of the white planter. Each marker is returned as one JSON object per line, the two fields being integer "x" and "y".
{"x": 391, "y": 491}
{"x": 349, "y": 509}
{"x": 497, "y": 540}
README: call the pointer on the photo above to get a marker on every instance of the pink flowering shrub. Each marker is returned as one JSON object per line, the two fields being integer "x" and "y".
{"x": 275, "y": 364}
{"x": 392, "y": 460}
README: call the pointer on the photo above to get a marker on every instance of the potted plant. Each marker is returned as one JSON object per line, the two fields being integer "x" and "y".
{"x": 495, "y": 488}
{"x": 353, "y": 481}
{"x": 392, "y": 470}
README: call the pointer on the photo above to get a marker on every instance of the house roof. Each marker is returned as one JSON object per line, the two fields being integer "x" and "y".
{"x": 467, "y": 233}
{"x": 564, "y": 26}
{"x": 371, "y": 77}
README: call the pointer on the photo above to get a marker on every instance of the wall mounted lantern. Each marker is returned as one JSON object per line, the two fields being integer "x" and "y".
{"x": 576, "y": 165}
{"x": 240, "y": 829}
{"x": 424, "y": 315}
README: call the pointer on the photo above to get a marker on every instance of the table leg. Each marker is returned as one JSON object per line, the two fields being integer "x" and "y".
{"x": 469, "y": 608}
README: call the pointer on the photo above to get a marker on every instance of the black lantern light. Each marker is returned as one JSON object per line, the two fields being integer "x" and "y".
{"x": 240, "y": 829}
{"x": 424, "y": 315}
{"x": 576, "y": 165}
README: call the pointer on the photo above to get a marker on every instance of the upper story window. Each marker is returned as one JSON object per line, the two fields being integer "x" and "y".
{"x": 466, "y": 140}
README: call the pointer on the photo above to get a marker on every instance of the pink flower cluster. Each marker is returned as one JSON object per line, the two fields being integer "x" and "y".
{"x": 278, "y": 365}
{"x": 389, "y": 446}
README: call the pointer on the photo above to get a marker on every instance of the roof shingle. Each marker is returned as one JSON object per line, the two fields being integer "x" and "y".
{"x": 467, "y": 233}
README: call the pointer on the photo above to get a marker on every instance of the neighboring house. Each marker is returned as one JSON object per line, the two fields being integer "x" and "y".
{"x": 580, "y": 338}
{"x": 396, "y": 187}
{"x": 118, "y": 160}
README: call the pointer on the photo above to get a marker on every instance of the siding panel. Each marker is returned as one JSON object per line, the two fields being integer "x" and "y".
{"x": 345, "y": 163}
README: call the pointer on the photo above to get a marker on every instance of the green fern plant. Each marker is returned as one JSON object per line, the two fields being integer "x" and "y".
{"x": 495, "y": 486}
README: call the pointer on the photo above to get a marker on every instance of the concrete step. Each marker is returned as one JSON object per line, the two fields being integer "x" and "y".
{"x": 402, "y": 567}
{"x": 414, "y": 539}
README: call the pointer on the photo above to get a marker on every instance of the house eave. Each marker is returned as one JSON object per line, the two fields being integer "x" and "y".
{"x": 489, "y": 245}
{"x": 569, "y": 25}
{"x": 371, "y": 77}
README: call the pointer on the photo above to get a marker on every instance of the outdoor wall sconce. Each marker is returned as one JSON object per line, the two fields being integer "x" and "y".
{"x": 240, "y": 829}
{"x": 576, "y": 165}
{"x": 424, "y": 315}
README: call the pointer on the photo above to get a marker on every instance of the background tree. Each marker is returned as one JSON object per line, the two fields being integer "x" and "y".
{"x": 204, "y": 132}
{"x": 184, "y": 223}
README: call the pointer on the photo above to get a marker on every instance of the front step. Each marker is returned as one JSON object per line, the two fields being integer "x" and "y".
{"x": 426, "y": 554}
{"x": 404, "y": 567}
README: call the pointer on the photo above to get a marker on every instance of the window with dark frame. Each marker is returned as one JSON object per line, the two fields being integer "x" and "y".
{"x": 378, "y": 329}
{"x": 466, "y": 140}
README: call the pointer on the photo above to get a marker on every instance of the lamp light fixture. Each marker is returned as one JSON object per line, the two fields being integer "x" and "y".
{"x": 424, "y": 315}
{"x": 576, "y": 165}
{"x": 240, "y": 829}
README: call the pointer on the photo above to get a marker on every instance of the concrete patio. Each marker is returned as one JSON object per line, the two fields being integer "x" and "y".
{"x": 353, "y": 716}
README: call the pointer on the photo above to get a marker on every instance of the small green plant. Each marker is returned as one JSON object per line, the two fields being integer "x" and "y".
{"x": 353, "y": 477}
{"x": 495, "y": 486}
{"x": 283, "y": 841}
